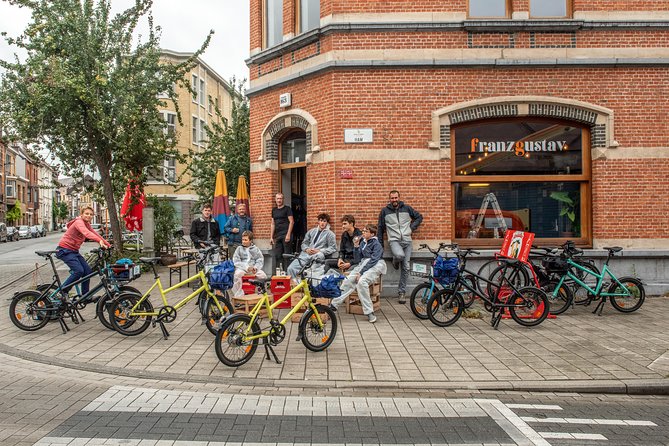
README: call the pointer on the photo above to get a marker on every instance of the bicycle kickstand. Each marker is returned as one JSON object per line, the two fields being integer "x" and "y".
{"x": 63, "y": 325}
{"x": 496, "y": 317}
{"x": 164, "y": 330}
{"x": 600, "y": 306}
{"x": 268, "y": 349}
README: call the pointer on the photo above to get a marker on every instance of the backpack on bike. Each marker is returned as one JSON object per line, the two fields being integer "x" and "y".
{"x": 221, "y": 277}
{"x": 445, "y": 271}
{"x": 328, "y": 287}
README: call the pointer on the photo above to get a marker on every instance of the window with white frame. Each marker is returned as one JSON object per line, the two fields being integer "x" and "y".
{"x": 549, "y": 8}
{"x": 10, "y": 189}
{"x": 309, "y": 15}
{"x": 194, "y": 129}
{"x": 273, "y": 19}
{"x": 203, "y": 132}
{"x": 170, "y": 123}
{"x": 201, "y": 94}
{"x": 171, "y": 170}
{"x": 488, "y": 8}
{"x": 194, "y": 86}
{"x": 211, "y": 105}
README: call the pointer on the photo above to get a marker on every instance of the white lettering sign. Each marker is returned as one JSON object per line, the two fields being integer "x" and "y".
{"x": 357, "y": 136}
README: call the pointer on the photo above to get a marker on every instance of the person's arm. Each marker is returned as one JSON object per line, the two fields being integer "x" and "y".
{"x": 375, "y": 254}
{"x": 250, "y": 223}
{"x": 416, "y": 218}
{"x": 382, "y": 227}
{"x": 307, "y": 240}
{"x": 193, "y": 234}
{"x": 331, "y": 244}
{"x": 80, "y": 226}
{"x": 291, "y": 222}
{"x": 228, "y": 226}
{"x": 271, "y": 231}
{"x": 216, "y": 233}
{"x": 237, "y": 260}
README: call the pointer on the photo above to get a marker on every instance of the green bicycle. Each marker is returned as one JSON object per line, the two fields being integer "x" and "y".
{"x": 237, "y": 339}
{"x": 131, "y": 314}
{"x": 626, "y": 294}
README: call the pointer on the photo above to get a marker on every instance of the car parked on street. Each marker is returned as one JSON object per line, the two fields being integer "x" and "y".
{"x": 34, "y": 232}
{"x": 12, "y": 233}
{"x": 41, "y": 230}
{"x": 3, "y": 232}
{"x": 24, "y": 232}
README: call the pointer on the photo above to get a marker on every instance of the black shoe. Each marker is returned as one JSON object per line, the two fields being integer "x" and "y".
{"x": 401, "y": 298}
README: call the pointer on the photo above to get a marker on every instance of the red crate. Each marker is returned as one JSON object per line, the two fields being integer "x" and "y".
{"x": 279, "y": 286}
{"x": 247, "y": 287}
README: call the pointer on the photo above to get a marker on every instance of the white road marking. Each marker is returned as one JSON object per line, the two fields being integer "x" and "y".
{"x": 591, "y": 421}
{"x": 534, "y": 406}
{"x": 574, "y": 436}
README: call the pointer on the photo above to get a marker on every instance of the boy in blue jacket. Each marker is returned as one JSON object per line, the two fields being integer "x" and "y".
{"x": 371, "y": 265}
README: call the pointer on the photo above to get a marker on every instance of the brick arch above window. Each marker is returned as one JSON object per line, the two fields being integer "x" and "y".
{"x": 599, "y": 119}
{"x": 283, "y": 123}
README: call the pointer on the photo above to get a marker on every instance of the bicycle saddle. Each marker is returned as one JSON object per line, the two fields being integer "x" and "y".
{"x": 260, "y": 282}
{"x": 149, "y": 260}
{"x": 510, "y": 261}
{"x": 614, "y": 249}
{"x": 45, "y": 254}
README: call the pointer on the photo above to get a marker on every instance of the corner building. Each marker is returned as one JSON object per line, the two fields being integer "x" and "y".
{"x": 543, "y": 115}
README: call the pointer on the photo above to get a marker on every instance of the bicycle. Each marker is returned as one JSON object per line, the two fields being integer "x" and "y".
{"x": 527, "y": 305}
{"x": 132, "y": 313}
{"x": 626, "y": 294}
{"x": 237, "y": 339}
{"x": 422, "y": 293}
{"x": 31, "y": 310}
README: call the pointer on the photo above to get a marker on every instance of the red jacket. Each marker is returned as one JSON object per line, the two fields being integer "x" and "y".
{"x": 77, "y": 233}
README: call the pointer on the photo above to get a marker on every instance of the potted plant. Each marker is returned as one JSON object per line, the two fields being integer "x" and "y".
{"x": 569, "y": 204}
{"x": 165, "y": 220}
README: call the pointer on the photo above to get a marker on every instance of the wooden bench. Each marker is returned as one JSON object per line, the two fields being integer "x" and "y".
{"x": 353, "y": 305}
{"x": 175, "y": 268}
{"x": 246, "y": 303}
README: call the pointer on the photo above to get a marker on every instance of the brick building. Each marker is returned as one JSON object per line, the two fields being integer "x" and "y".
{"x": 555, "y": 109}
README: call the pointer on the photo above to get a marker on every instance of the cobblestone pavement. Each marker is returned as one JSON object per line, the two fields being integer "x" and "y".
{"x": 577, "y": 351}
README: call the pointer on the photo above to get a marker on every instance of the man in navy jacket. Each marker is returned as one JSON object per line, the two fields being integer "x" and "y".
{"x": 371, "y": 265}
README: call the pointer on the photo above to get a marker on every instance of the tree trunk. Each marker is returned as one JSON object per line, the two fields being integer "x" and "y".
{"x": 108, "y": 190}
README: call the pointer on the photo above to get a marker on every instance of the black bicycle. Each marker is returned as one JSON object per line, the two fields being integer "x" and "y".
{"x": 527, "y": 305}
{"x": 31, "y": 310}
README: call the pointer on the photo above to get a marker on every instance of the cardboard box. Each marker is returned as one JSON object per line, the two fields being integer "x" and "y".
{"x": 353, "y": 305}
{"x": 297, "y": 316}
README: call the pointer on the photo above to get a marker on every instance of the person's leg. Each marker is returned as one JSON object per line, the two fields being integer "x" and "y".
{"x": 406, "y": 264}
{"x": 397, "y": 251}
{"x": 369, "y": 278}
{"x": 86, "y": 270}
{"x": 294, "y": 268}
{"x": 70, "y": 258}
{"x": 237, "y": 283}
{"x": 347, "y": 287}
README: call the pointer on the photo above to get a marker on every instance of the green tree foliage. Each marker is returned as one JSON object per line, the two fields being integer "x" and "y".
{"x": 14, "y": 214}
{"x": 228, "y": 147}
{"x": 60, "y": 213}
{"x": 89, "y": 91}
{"x": 166, "y": 222}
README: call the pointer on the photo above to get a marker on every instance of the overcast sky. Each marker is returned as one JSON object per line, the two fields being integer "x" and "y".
{"x": 185, "y": 25}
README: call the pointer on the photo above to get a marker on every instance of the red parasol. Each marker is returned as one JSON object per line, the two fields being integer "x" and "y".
{"x": 132, "y": 207}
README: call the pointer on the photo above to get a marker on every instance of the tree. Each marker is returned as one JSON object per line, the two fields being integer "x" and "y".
{"x": 89, "y": 93}
{"x": 165, "y": 217}
{"x": 228, "y": 147}
{"x": 59, "y": 212}
{"x": 14, "y": 214}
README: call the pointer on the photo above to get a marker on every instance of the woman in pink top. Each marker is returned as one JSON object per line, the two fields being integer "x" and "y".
{"x": 78, "y": 230}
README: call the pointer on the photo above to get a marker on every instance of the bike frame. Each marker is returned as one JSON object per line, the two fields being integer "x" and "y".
{"x": 495, "y": 302}
{"x": 264, "y": 303}
{"x": 165, "y": 291}
{"x": 597, "y": 291}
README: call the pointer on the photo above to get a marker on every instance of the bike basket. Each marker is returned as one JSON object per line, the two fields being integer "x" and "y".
{"x": 446, "y": 270}
{"x": 556, "y": 265}
{"x": 420, "y": 269}
{"x": 328, "y": 287}
{"x": 221, "y": 276}
{"x": 126, "y": 271}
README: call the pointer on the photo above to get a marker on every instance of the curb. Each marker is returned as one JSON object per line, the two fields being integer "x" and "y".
{"x": 627, "y": 387}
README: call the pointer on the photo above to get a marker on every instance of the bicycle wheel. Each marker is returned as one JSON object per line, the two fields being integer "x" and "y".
{"x": 445, "y": 307}
{"x": 122, "y": 321}
{"x": 484, "y": 271}
{"x": 25, "y": 312}
{"x": 533, "y": 309}
{"x": 560, "y": 302}
{"x": 317, "y": 337}
{"x": 468, "y": 296}
{"x": 102, "y": 305}
{"x": 581, "y": 295}
{"x": 230, "y": 344}
{"x": 505, "y": 274}
{"x": 627, "y": 304}
{"x": 213, "y": 316}
{"x": 419, "y": 297}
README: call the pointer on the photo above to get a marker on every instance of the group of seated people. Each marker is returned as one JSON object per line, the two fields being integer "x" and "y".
{"x": 360, "y": 256}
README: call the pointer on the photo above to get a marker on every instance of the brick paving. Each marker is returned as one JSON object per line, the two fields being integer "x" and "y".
{"x": 577, "y": 351}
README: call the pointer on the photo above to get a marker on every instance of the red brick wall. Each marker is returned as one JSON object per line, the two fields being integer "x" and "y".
{"x": 255, "y": 23}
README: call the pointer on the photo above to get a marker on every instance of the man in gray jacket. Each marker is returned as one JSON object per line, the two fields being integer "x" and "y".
{"x": 318, "y": 244}
{"x": 399, "y": 220}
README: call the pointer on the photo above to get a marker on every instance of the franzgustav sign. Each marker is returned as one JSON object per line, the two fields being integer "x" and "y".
{"x": 519, "y": 147}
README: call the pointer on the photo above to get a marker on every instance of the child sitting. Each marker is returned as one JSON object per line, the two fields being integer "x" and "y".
{"x": 248, "y": 261}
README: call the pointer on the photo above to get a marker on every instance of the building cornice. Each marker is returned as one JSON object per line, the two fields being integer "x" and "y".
{"x": 510, "y": 25}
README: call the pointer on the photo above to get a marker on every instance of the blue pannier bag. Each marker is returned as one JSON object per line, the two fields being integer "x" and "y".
{"x": 446, "y": 270}
{"x": 221, "y": 277}
{"x": 328, "y": 287}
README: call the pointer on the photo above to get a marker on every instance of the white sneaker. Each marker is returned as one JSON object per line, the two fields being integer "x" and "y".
{"x": 371, "y": 317}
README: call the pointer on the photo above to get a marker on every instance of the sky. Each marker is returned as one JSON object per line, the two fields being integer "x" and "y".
{"x": 185, "y": 25}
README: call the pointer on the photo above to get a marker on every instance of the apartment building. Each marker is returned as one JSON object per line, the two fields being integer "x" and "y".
{"x": 197, "y": 111}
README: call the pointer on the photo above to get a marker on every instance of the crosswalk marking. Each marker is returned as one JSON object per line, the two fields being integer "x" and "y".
{"x": 572, "y": 436}
{"x": 591, "y": 421}
{"x": 534, "y": 406}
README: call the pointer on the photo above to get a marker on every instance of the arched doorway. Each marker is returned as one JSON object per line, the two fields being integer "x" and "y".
{"x": 293, "y": 179}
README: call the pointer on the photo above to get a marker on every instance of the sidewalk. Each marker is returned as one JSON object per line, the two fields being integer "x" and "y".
{"x": 577, "y": 352}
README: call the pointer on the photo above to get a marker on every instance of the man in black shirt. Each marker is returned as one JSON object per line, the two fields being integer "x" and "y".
{"x": 281, "y": 229}
{"x": 205, "y": 229}
{"x": 346, "y": 259}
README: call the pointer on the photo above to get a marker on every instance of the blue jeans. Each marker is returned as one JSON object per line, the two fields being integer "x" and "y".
{"x": 78, "y": 269}
{"x": 401, "y": 251}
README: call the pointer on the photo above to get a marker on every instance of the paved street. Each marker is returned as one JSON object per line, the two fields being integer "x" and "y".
{"x": 399, "y": 381}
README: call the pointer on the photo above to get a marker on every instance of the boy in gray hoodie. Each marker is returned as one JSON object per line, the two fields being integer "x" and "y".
{"x": 248, "y": 260}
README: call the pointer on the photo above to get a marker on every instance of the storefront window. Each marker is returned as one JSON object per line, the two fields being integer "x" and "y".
{"x": 530, "y": 175}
